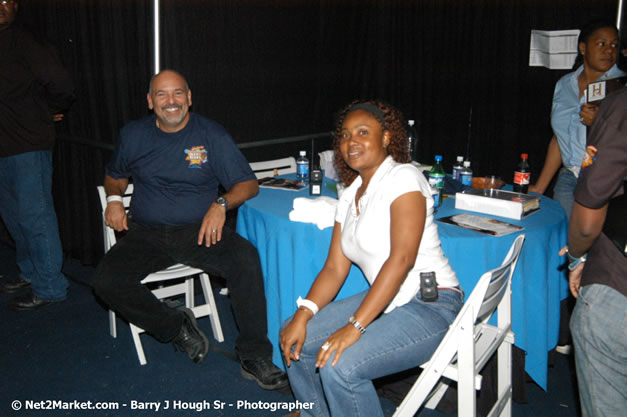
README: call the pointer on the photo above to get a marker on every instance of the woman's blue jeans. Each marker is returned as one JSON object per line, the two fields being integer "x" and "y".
{"x": 28, "y": 212}
{"x": 402, "y": 339}
{"x": 564, "y": 190}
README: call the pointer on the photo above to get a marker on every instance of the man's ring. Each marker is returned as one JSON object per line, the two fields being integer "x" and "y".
{"x": 213, "y": 230}
{"x": 325, "y": 346}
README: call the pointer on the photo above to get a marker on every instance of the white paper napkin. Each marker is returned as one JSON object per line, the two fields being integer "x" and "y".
{"x": 319, "y": 211}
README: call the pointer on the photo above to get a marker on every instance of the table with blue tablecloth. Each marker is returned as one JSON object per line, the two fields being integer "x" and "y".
{"x": 292, "y": 253}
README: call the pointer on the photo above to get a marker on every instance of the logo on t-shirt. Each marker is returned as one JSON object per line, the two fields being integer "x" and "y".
{"x": 196, "y": 156}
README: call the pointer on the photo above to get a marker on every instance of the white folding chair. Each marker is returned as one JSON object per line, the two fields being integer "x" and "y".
{"x": 469, "y": 343}
{"x": 175, "y": 272}
{"x": 267, "y": 168}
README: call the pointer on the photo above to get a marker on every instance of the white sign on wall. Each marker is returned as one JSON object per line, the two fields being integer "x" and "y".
{"x": 554, "y": 49}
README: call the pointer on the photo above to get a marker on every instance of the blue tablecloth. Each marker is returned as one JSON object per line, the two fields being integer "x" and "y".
{"x": 292, "y": 253}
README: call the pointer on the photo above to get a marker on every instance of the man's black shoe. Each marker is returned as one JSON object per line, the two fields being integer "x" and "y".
{"x": 29, "y": 302}
{"x": 264, "y": 373}
{"x": 13, "y": 285}
{"x": 191, "y": 339}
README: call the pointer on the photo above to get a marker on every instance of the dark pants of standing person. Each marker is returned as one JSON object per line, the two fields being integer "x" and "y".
{"x": 150, "y": 248}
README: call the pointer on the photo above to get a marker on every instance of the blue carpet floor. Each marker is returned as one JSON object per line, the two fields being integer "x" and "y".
{"x": 63, "y": 356}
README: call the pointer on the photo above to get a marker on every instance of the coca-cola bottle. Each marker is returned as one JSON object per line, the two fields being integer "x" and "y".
{"x": 522, "y": 176}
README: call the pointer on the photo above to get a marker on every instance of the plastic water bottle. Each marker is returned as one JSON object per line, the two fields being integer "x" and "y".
{"x": 413, "y": 139}
{"x": 465, "y": 176}
{"x": 457, "y": 168}
{"x": 436, "y": 181}
{"x": 522, "y": 176}
{"x": 302, "y": 167}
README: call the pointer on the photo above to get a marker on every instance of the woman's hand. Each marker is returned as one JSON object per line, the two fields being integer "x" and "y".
{"x": 588, "y": 113}
{"x": 294, "y": 334}
{"x": 337, "y": 342}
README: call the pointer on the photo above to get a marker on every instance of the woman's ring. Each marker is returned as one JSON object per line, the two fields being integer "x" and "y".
{"x": 325, "y": 346}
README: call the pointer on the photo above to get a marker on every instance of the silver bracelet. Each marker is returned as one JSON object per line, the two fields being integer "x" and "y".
{"x": 352, "y": 320}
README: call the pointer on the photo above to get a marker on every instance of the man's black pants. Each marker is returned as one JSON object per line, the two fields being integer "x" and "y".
{"x": 150, "y": 248}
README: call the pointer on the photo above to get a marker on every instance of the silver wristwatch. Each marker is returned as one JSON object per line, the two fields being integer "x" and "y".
{"x": 222, "y": 201}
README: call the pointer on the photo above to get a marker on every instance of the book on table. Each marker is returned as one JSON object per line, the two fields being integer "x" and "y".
{"x": 497, "y": 202}
{"x": 281, "y": 183}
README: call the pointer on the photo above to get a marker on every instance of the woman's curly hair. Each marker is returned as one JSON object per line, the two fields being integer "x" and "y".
{"x": 394, "y": 122}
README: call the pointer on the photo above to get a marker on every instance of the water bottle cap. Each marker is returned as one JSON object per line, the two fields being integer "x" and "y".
{"x": 410, "y": 122}
{"x": 438, "y": 158}
{"x": 460, "y": 158}
{"x": 303, "y": 153}
{"x": 524, "y": 156}
{"x": 466, "y": 164}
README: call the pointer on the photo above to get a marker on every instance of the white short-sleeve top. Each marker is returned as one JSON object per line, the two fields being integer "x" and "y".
{"x": 366, "y": 237}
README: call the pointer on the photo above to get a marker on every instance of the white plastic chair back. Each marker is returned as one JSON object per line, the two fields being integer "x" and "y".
{"x": 468, "y": 345}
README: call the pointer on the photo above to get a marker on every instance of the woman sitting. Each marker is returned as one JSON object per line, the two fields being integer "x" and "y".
{"x": 384, "y": 224}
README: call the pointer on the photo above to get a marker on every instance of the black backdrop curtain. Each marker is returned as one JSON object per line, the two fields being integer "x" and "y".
{"x": 276, "y": 68}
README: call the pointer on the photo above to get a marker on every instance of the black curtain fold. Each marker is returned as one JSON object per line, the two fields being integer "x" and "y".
{"x": 275, "y": 68}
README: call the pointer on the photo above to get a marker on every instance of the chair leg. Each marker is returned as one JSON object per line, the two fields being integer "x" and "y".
{"x": 113, "y": 328}
{"x": 504, "y": 384}
{"x": 437, "y": 394}
{"x": 189, "y": 292}
{"x": 135, "y": 332}
{"x": 466, "y": 395}
{"x": 213, "y": 311}
{"x": 418, "y": 393}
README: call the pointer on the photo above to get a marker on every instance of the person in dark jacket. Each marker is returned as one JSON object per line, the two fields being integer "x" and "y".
{"x": 34, "y": 91}
{"x": 597, "y": 255}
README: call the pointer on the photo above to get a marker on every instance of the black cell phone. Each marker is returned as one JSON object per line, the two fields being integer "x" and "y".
{"x": 428, "y": 286}
{"x": 315, "y": 181}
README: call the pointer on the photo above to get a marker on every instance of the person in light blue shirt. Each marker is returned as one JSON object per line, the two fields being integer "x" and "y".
{"x": 571, "y": 114}
{"x": 570, "y": 117}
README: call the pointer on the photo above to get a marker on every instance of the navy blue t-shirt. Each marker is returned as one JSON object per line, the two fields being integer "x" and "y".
{"x": 176, "y": 175}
